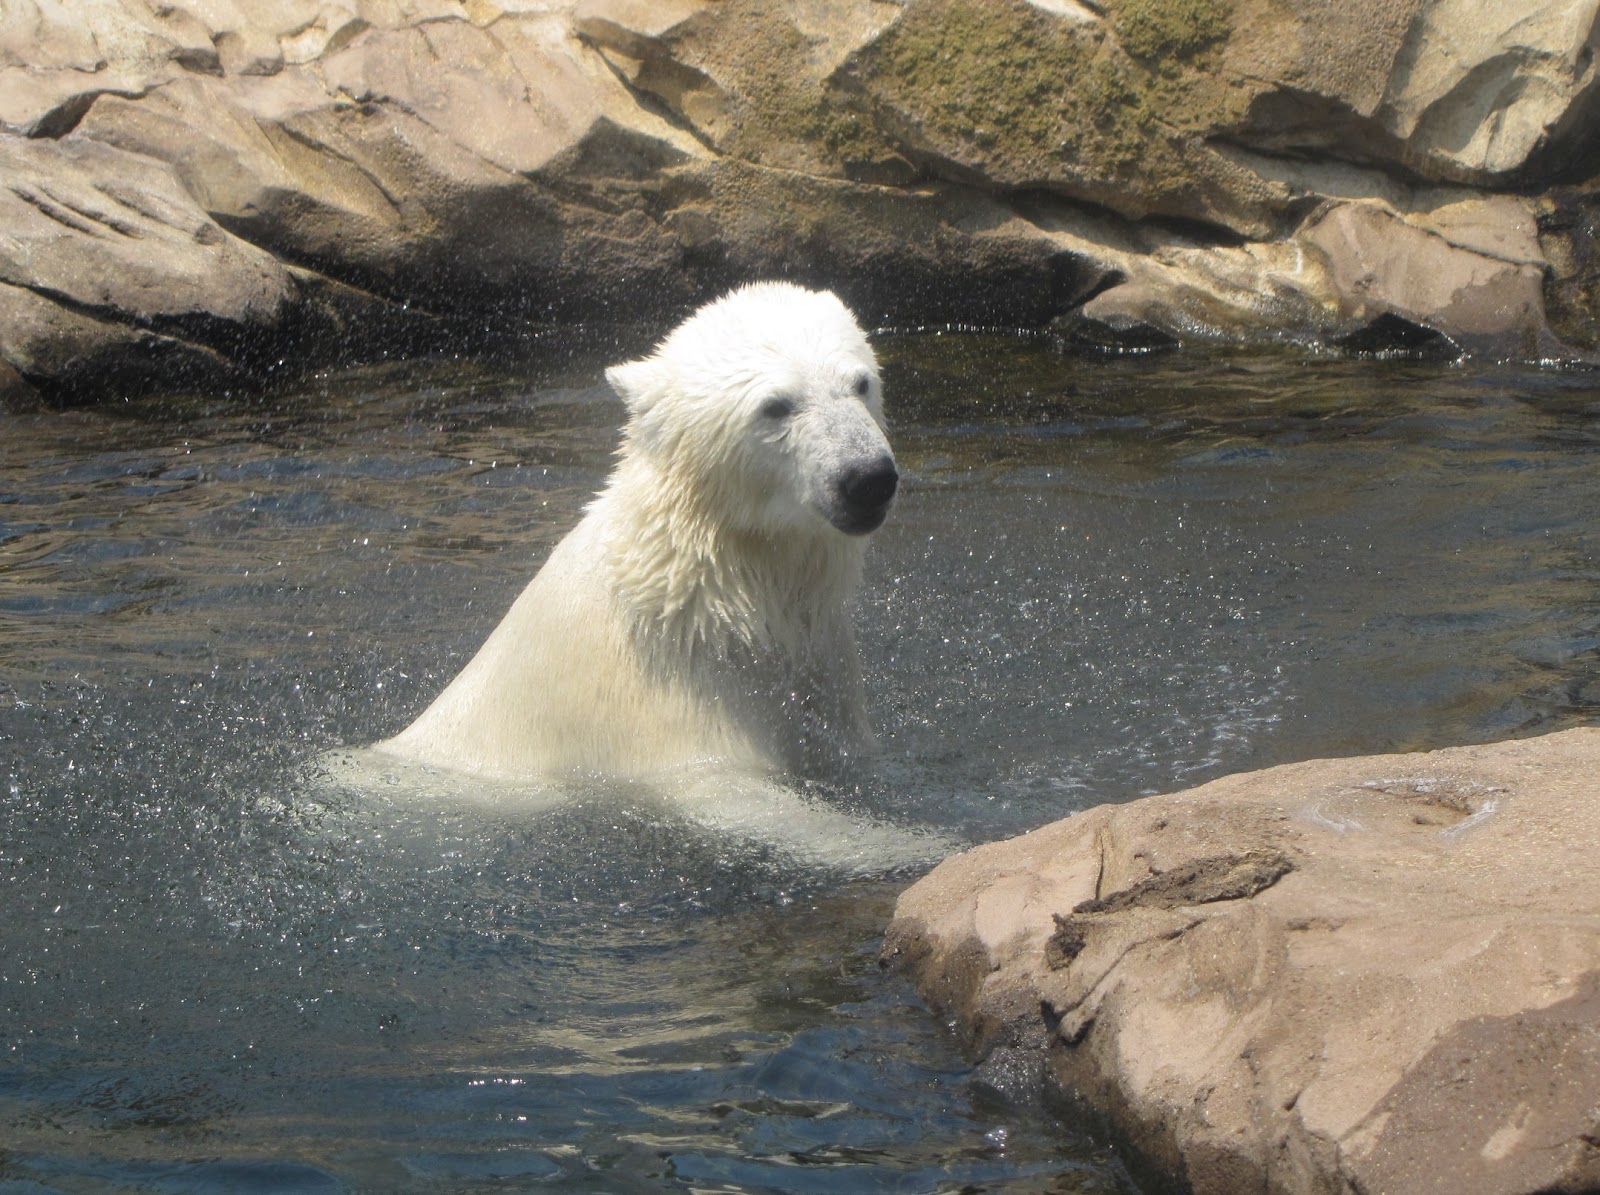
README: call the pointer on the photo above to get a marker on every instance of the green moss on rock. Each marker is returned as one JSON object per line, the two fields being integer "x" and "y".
{"x": 1035, "y": 99}
{"x": 1163, "y": 29}
{"x": 781, "y": 111}
{"x": 1007, "y": 92}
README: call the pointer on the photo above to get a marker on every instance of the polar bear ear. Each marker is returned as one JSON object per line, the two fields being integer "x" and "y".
{"x": 638, "y": 383}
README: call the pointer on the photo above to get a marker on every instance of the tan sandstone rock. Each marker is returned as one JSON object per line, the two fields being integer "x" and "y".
{"x": 1234, "y": 170}
{"x": 1481, "y": 86}
{"x": 137, "y": 233}
{"x": 1361, "y": 975}
{"x": 106, "y": 258}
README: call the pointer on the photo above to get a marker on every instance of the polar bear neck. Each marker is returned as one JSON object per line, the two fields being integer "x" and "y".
{"x": 699, "y": 584}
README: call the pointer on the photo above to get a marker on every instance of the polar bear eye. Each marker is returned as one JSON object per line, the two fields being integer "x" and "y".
{"x": 777, "y": 408}
{"x": 863, "y": 386}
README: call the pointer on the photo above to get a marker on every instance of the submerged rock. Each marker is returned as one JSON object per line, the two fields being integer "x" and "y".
{"x": 1372, "y": 974}
{"x": 443, "y": 171}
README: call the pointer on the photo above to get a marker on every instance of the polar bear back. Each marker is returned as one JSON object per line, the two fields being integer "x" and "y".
{"x": 557, "y": 690}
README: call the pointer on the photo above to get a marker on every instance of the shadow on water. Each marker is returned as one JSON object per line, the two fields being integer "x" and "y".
{"x": 1103, "y": 579}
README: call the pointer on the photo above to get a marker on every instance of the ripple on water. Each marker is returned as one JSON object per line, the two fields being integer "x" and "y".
{"x": 1101, "y": 579}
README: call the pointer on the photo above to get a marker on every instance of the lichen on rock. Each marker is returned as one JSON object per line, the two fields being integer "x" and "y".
{"x": 1026, "y": 99}
{"x": 1168, "y": 29}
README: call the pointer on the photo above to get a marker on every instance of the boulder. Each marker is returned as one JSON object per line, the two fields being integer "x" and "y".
{"x": 413, "y": 164}
{"x": 1471, "y": 91}
{"x": 1485, "y": 292}
{"x": 1463, "y": 270}
{"x": 1139, "y": 171}
{"x": 1026, "y": 98}
{"x": 749, "y": 80}
{"x": 108, "y": 265}
{"x": 1355, "y": 975}
{"x": 102, "y": 229}
{"x": 1486, "y": 92}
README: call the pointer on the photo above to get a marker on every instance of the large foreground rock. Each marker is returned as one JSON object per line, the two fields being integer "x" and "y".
{"x": 367, "y": 174}
{"x": 1361, "y": 975}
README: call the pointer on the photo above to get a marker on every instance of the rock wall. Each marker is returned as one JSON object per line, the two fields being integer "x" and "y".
{"x": 204, "y": 192}
{"x": 1343, "y": 976}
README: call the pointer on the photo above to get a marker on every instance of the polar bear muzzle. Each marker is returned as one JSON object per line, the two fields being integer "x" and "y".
{"x": 863, "y": 494}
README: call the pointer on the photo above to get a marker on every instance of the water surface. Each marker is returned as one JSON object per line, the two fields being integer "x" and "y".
{"x": 1104, "y": 578}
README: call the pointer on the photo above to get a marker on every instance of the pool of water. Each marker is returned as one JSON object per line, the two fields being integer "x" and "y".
{"x": 1104, "y": 578}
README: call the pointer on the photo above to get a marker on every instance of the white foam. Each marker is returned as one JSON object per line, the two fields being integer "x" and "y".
{"x": 761, "y": 810}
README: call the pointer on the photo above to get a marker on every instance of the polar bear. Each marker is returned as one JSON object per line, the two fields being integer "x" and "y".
{"x": 698, "y": 612}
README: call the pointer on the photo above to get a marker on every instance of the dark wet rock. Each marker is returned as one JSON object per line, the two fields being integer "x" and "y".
{"x": 1569, "y": 235}
{"x": 15, "y": 393}
{"x": 1113, "y": 336}
{"x": 1392, "y": 335}
{"x": 1229, "y": 170}
{"x": 1355, "y": 975}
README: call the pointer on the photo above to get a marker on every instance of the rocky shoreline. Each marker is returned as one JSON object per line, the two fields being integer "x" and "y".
{"x": 1378, "y": 974}
{"x": 1360, "y": 975}
{"x": 206, "y": 194}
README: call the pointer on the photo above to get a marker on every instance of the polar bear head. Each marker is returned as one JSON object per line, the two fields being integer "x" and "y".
{"x": 764, "y": 406}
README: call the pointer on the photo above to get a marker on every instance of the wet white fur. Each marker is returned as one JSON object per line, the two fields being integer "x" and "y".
{"x": 697, "y": 613}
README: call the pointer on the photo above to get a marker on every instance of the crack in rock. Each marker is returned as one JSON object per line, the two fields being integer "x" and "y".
{"x": 1198, "y": 882}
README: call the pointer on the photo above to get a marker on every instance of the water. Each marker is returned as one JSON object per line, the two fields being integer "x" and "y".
{"x": 1103, "y": 579}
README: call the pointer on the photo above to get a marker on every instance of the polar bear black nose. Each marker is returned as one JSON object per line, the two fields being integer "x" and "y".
{"x": 867, "y": 487}
{"x": 865, "y": 491}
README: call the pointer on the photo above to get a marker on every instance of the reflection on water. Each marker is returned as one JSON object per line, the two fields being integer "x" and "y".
{"x": 1103, "y": 578}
